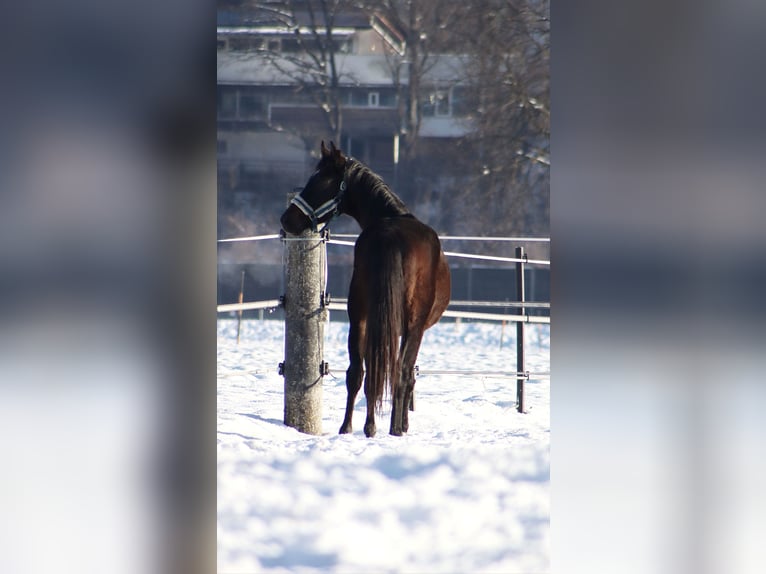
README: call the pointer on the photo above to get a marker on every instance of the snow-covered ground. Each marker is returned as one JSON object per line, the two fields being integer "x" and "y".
{"x": 467, "y": 490}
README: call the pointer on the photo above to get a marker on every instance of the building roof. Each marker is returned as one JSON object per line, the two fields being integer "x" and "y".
{"x": 253, "y": 69}
{"x": 354, "y": 69}
{"x": 256, "y": 18}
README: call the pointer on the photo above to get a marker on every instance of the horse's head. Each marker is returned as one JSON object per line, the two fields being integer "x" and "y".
{"x": 320, "y": 199}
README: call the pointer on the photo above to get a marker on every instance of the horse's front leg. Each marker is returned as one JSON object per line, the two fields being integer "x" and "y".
{"x": 356, "y": 342}
{"x": 353, "y": 384}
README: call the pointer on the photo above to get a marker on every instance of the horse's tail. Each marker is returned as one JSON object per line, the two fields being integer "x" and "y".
{"x": 384, "y": 324}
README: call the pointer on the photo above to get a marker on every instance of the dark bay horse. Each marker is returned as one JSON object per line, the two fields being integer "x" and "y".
{"x": 399, "y": 288}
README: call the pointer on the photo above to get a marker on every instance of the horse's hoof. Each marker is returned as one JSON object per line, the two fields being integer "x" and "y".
{"x": 395, "y": 432}
{"x": 345, "y": 429}
{"x": 369, "y": 431}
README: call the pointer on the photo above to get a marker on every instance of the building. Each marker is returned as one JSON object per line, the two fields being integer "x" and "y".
{"x": 270, "y": 121}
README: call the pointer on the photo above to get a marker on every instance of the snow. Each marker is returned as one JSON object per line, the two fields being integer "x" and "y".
{"x": 354, "y": 70}
{"x": 466, "y": 490}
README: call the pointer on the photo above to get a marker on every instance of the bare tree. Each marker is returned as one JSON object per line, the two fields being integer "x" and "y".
{"x": 508, "y": 71}
{"x": 313, "y": 65}
{"x": 506, "y": 47}
{"x": 424, "y": 26}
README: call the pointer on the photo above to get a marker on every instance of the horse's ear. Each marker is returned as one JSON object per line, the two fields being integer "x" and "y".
{"x": 340, "y": 159}
{"x": 325, "y": 151}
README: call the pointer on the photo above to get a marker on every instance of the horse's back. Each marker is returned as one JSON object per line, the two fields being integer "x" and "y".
{"x": 417, "y": 243}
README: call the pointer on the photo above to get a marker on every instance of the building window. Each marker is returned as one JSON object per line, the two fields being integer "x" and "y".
{"x": 358, "y": 98}
{"x": 387, "y": 99}
{"x": 361, "y": 98}
{"x": 436, "y": 104}
{"x": 222, "y": 147}
{"x": 251, "y": 106}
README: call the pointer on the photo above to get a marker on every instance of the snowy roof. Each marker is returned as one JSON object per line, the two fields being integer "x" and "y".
{"x": 276, "y": 30}
{"x": 255, "y": 18}
{"x": 354, "y": 70}
{"x": 254, "y": 69}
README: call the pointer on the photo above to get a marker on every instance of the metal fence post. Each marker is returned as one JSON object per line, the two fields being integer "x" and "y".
{"x": 520, "y": 331}
{"x": 240, "y": 300}
{"x": 305, "y": 315}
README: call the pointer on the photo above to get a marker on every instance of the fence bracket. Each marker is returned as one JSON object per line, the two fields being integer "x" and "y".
{"x": 324, "y": 369}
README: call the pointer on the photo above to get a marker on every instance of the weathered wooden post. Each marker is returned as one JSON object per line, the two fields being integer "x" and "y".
{"x": 520, "y": 331}
{"x": 305, "y": 315}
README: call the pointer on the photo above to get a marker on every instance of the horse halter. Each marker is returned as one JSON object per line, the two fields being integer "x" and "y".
{"x": 330, "y": 206}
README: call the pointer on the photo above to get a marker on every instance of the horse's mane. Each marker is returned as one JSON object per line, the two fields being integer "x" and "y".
{"x": 359, "y": 176}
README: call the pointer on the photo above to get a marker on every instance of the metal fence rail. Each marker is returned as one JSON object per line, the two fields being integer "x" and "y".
{"x": 442, "y": 237}
{"x": 526, "y": 375}
{"x": 521, "y": 260}
{"x": 501, "y": 304}
{"x": 337, "y": 305}
{"x": 469, "y": 255}
{"x": 467, "y": 238}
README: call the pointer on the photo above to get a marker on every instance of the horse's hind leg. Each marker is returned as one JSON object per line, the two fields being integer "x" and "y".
{"x": 409, "y": 357}
{"x": 369, "y": 423}
{"x": 397, "y": 404}
{"x": 356, "y": 341}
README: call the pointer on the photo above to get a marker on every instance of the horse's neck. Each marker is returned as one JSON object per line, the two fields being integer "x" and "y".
{"x": 370, "y": 207}
{"x": 372, "y": 201}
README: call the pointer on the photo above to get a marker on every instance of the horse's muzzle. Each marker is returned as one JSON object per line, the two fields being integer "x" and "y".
{"x": 294, "y": 221}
